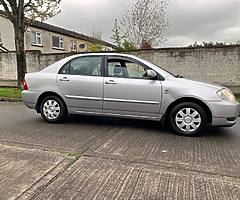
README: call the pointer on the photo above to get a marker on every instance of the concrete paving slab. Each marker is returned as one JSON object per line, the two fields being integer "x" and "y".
{"x": 124, "y": 159}
{"x": 20, "y": 169}
{"x": 94, "y": 178}
{"x": 19, "y": 125}
{"x": 216, "y": 150}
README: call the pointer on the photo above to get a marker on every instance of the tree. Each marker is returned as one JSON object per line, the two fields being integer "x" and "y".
{"x": 21, "y": 13}
{"x": 95, "y": 46}
{"x": 208, "y": 44}
{"x": 145, "y": 22}
{"x": 120, "y": 40}
{"x": 128, "y": 46}
{"x": 117, "y": 37}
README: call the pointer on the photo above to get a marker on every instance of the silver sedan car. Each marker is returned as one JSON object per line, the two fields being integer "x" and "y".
{"x": 119, "y": 85}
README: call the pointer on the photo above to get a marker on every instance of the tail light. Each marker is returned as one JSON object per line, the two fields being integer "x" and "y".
{"x": 25, "y": 86}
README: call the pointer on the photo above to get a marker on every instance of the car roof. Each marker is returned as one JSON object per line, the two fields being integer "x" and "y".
{"x": 102, "y": 54}
{"x": 54, "y": 68}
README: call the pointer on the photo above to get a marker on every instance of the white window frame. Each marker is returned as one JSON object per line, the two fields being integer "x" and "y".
{"x": 74, "y": 45}
{"x": 38, "y": 36}
{"x": 60, "y": 42}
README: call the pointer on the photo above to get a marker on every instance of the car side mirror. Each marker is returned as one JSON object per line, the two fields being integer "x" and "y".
{"x": 151, "y": 74}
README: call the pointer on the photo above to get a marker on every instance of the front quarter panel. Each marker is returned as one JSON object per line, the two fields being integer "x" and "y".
{"x": 174, "y": 89}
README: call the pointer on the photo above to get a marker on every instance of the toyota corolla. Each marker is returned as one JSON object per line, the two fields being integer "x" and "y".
{"x": 119, "y": 85}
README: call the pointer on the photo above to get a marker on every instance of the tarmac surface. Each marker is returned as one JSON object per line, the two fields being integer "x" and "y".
{"x": 104, "y": 158}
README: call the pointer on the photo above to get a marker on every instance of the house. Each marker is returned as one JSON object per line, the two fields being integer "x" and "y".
{"x": 47, "y": 38}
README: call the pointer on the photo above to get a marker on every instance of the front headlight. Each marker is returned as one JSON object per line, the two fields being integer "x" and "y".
{"x": 227, "y": 95}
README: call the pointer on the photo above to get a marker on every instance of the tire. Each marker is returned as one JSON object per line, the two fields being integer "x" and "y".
{"x": 53, "y": 109}
{"x": 187, "y": 119}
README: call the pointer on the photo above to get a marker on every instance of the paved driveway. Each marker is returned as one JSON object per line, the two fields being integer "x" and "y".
{"x": 102, "y": 158}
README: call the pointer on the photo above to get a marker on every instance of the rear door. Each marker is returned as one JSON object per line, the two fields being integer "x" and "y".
{"x": 81, "y": 82}
{"x": 127, "y": 91}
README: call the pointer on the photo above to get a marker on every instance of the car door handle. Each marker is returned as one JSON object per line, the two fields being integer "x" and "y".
{"x": 64, "y": 79}
{"x": 110, "y": 82}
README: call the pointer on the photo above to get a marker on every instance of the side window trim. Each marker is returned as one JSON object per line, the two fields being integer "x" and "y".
{"x": 69, "y": 63}
{"x": 61, "y": 69}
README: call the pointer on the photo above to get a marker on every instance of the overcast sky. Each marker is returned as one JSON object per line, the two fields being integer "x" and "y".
{"x": 190, "y": 20}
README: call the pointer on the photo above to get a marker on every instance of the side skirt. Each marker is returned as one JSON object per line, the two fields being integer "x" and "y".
{"x": 73, "y": 111}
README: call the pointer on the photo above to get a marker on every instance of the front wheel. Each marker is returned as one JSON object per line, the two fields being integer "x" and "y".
{"x": 53, "y": 109}
{"x": 188, "y": 118}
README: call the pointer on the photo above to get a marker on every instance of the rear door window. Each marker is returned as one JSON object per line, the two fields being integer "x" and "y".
{"x": 83, "y": 66}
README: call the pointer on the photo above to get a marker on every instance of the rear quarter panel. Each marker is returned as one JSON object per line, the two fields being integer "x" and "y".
{"x": 39, "y": 83}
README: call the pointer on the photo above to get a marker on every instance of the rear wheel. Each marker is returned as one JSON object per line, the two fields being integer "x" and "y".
{"x": 53, "y": 109}
{"x": 188, "y": 118}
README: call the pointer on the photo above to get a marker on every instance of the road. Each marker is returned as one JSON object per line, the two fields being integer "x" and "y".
{"x": 104, "y": 158}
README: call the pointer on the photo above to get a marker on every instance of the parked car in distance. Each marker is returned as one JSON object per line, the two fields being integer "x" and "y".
{"x": 119, "y": 85}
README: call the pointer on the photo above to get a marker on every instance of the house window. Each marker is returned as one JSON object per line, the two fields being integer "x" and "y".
{"x": 36, "y": 38}
{"x": 57, "y": 42}
{"x": 74, "y": 45}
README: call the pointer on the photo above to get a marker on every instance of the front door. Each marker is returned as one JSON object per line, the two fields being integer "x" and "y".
{"x": 81, "y": 82}
{"x": 128, "y": 92}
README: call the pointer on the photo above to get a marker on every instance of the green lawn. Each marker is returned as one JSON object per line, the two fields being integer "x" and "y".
{"x": 10, "y": 92}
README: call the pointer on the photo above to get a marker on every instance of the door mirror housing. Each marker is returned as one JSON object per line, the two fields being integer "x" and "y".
{"x": 151, "y": 74}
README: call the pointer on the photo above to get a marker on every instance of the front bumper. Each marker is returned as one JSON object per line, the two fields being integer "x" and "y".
{"x": 224, "y": 113}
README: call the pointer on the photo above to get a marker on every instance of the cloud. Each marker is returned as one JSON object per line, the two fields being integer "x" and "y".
{"x": 85, "y": 16}
{"x": 191, "y": 20}
{"x": 204, "y": 20}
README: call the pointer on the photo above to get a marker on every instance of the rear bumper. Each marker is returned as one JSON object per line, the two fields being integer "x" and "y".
{"x": 224, "y": 113}
{"x": 30, "y": 105}
{"x": 29, "y": 98}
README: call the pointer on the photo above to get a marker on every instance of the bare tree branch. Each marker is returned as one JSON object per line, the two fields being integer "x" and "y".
{"x": 13, "y": 5}
{"x": 7, "y": 10}
{"x": 146, "y": 23}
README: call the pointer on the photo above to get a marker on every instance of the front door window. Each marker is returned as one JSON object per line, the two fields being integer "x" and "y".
{"x": 125, "y": 69}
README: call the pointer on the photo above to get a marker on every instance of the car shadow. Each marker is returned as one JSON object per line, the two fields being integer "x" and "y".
{"x": 211, "y": 131}
{"x": 141, "y": 125}
{"x": 108, "y": 121}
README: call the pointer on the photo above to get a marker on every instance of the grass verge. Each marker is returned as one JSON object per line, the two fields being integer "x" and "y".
{"x": 10, "y": 93}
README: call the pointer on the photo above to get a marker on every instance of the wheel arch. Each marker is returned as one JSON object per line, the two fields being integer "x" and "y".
{"x": 45, "y": 94}
{"x": 193, "y": 100}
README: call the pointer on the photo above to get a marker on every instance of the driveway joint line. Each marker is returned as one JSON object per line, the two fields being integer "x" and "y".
{"x": 64, "y": 163}
{"x": 98, "y": 140}
{"x": 162, "y": 165}
{"x": 30, "y": 146}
